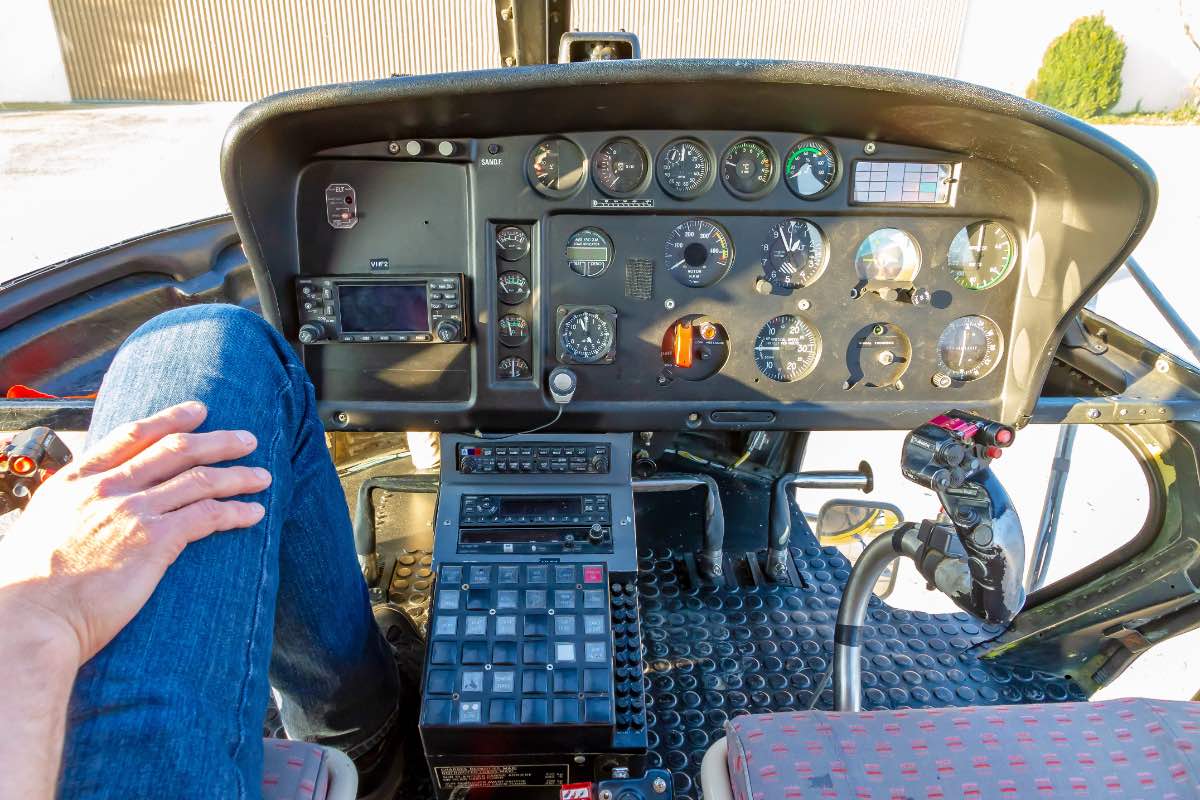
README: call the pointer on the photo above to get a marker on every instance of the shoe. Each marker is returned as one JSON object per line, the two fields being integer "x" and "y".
{"x": 381, "y": 769}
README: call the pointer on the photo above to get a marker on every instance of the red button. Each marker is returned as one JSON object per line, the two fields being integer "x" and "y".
{"x": 593, "y": 574}
{"x": 994, "y": 452}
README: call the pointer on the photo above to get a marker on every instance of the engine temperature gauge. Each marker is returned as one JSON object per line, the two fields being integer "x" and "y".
{"x": 811, "y": 168}
{"x": 513, "y": 368}
{"x": 514, "y": 330}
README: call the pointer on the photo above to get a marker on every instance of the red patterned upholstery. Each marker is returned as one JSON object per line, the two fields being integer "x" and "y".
{"x": 1119, "y": 749}
{"x": 294, "y": 771}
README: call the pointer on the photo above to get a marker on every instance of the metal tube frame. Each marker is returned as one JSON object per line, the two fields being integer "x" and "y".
{"x": 712, "y": 557}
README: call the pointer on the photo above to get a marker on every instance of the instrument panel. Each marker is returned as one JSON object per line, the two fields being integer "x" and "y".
{"x": 846, "y": 261}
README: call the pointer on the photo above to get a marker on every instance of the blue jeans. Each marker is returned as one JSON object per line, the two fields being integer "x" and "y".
{"x": 174, "y": 706}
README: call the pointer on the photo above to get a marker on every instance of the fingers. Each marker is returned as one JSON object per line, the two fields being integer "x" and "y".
{"x": 126, "y": 441}
{"x": 202, "y": 483}
{"x": 176, "y": 453}
{"x": 195, "y": 521}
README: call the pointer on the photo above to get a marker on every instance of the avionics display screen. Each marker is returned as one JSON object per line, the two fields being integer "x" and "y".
{"x": 535, "y": 506}
{"x": 384, "y": 307}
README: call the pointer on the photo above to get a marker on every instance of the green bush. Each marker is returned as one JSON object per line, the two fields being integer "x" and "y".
{"x": 1081, "y": 71}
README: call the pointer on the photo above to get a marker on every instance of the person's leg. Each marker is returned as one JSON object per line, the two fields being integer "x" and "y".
{"x": 174, "y": 706}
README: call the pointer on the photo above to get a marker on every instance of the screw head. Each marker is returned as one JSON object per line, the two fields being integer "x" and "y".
{"x": 659, "y": 785}
{"x": 341, "y": 417}
{"x": 1093, "y": 413}
{"x": 605, "y": 794}
{"x": 804, "y": 304}
{"x": 668, "y": 304}
{"x": 509, "y": 61}
{"x": 1162, "y": 365}
{"x": 869, "y": 148}
{"x": 393, "y": 147}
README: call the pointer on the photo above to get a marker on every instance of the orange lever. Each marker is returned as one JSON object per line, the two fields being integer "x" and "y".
{"x": 683, "y": 345}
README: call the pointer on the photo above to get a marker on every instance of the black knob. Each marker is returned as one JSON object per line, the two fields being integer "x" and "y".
{"x": 469, "y": 464}
{"x": 311, "y": 332}
{"x": 596, "y": 533}
{"x": 448, "y": 330}
{"x": 599, "y": 464}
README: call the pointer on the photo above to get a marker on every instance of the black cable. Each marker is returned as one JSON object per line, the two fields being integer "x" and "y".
{"x": 497, "y": 437}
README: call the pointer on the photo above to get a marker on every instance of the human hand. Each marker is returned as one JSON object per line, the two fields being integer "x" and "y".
{"x": 97, "y": 537}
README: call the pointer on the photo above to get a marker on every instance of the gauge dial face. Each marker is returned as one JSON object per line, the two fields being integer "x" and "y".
{"x": 512, "y": 243}
{"x": 586, "y": 336}
{"x": 685, "y": 169}
{"x": 981, "y": 255}
{"x": 878, "y": 356}
{"x": 698, "y": 252}
{"x": 888, "y": 255}
{"x": 514, "y": 330}
{"x": 748, "y": 168}
{"x": 589, "y": 252}
{"x": 513, "y": 368}
{"x": 514, "y": 287}
{"x": 810, "y": 168}
{"x": 620, "y": 166}
{"x": 794, "y": 255}
{"x": 555, "y": 167}
{"x": 787, "y": 348}
{"x": 969, "y": 348}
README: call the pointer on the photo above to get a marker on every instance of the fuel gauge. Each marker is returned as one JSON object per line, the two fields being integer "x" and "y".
{"x": 514, "y": 330}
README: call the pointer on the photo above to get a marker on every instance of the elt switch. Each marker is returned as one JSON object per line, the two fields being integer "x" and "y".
{"x": 683, "y": 345}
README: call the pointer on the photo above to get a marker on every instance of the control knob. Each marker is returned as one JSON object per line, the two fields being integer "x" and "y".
{"x": 596, "y": 533}
{"x": 599, "y": 464}
{"x": 468, "y": 464}
{"x": 311, "y": 332}
{"x": 448, "y": 330}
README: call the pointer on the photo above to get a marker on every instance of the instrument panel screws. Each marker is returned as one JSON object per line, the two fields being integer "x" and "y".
{"x": 869, "y": 148}
{"x": 580, "y": 759}
{"x": 1093, "y": 413}
{"x": 394, "y": 148}
{"x": 341, "y": 418}
{"x": 668, "y": 304}
{"x": 605, "y": 794}
{"x": 1162, "y": 365}
{"x": 941, "y": 380}
{"x": 509, "y": 61}
{"x": 659, "y": 785}
{"x": 804, "y": 304}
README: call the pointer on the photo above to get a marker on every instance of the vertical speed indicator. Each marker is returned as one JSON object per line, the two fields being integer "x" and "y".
{"x": 787, "y": 348}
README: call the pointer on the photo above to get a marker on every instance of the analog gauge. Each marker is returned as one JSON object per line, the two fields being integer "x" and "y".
{"x": 787, "y": 348}
{"x": 981, "y": 255}
{"x": 620, "y": 166}
{"x": 888, "y": 255}
{"x": 698, "y": 252}
{"x": 514, "y": 330}
{"x": 695, "y": 347}
{"x": 589, "y": 252}
{"x": 512, "y": 243}
{"x": 878, "y": 356}
{"x": 685, "y": 169}
{"x": 969, "y": 348}
{"x": 748, "y": 168}
{"x": 794, "y": 255}
{"x": 514, "y": 287}
{"x": 513, "y": 368}
{"x": 555, "y": 167}
{"x": 586, "y": 335}
{"x": 811, "y": 168}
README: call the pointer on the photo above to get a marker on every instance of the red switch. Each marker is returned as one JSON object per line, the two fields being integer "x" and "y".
{"x": 593, "y": 574}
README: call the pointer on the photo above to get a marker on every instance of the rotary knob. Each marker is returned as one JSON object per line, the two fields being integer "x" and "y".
{"x": 596, "y": 533}
{"x": 448, "y": 330}
{"x": 598, "y": 464}
{"x": 311, "y": 332}
{"x": 468, "y": 464}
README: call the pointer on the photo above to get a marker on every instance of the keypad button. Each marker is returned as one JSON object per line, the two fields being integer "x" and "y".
{"x": 534, "y": 653}
{"x": 564, "y": 652}
{"x": 595, "y": 680}
{"x": 566, "y": 680}
{"x": 502, "y": 712}
{"x": 476, "y": 625}
{"x": 446, "y": 626}
{"x": 503, "y": 681}
{"x": 566, "y": 711}
{"x": 479, "y": 599}
{"x": 452, "y": 573}
{"x": 509, "y": 574}
{"x": 504, "y": 653}
{"x": 444, "y": 653}
{"x": 470, "y": 711}
{"x": 597, "y": 709}
{"x": 535, "y": 599}
{"x": 537, "y": 573}
{"x": 481, "y": 575}
{"x": 506, "y": 625}
{"x": 475, "y": 653}
{"x": 534, "y": 711}
{"x": 437, "y": 712}
{"x": 593, "y": 624}
{"x": 564, "y": 624}
{"x": 564, "y": 573}
{"x": 508, "y": 599}
{"x": 536, "y": 625}
{"x": 593, "y": 573}
{"x": 448, "y": 599}
{"x": 472, "y": 681}
{"x": 564, "y": 598}
{"x": 535, "y": 681}
{"x": 593, "y": 598}
{"x": 440, "y": 681}
{"x": 595, "y": 652}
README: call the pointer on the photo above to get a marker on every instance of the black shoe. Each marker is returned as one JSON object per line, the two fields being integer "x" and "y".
{"x": 381, "y": 769}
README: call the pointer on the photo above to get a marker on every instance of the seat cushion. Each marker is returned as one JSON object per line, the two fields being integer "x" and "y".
{"x": 1119, "y": 748}
{"x": 294, "y": 771}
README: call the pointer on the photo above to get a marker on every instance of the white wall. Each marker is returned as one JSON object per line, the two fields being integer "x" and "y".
{"x": 1003, "y": 43}
{"x": 31, "y": 65}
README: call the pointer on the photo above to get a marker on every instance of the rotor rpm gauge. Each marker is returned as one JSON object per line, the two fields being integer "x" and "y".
{"x": 810, "y": 169}
{"x": 981, "y": 255}
{"x": 878, "y": 356}
{"x": 555, "y": 167}
{"x": 514, "y": 330}
{"x": 787, "y": 348}
{"x": 620, "y": 166}
{"x": 589, "y": 252}
{"x": 794, "y": 255}
{"x": 587, "y": 334}
{"x": 698, "y": 252}
{"x": 969, "y": 348}
{"x": 685, "y": 169}
{"x": 513, "y": 286}
{"x": 748, "y": 168}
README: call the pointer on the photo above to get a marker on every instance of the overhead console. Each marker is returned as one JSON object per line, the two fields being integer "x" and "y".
{"x": 861, "y": 248}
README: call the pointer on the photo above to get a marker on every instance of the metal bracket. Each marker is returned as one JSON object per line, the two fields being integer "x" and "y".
{"x": 529, "y": 30}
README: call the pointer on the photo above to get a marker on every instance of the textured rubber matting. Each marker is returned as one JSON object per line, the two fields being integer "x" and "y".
{"x": 712, "y": 653}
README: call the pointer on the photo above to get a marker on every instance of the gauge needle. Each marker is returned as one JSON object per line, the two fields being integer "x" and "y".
{"x": 767, "y": 347}
{"x": 679, "y": 263}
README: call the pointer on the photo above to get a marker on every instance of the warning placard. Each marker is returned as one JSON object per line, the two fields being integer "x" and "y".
{"x": 501, "y": 775}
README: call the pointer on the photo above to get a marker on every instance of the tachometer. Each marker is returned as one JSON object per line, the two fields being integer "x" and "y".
{"x": 555, "y": 167}
{"x": 698, "y": 252}
{"x": 685, "y": 169}
{"x": 810, "y": 169}
{"x": 620, "y": 166}
{"x": 794, "y": 255}
{"x": 748, "y": 168}
{"x": 888, "y": 255}
{"x": 969, "y": 348}
{"x": 787, "y": 348}
{"x": 586, "y": 334}
{"x": 981, "y": 255}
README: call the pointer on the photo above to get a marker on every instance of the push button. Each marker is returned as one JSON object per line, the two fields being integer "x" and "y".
{"x": 593, "y": 573}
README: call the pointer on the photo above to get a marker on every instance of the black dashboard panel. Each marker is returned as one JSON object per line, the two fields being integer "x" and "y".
{"x": 436, "y": 173}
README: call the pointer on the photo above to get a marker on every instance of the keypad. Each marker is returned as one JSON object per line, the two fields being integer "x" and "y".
{"x": 520, "y": 644}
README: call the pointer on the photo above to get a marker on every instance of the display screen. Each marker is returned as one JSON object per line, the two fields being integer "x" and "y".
{"x": 383, "y": 307}
{"x": 535, "y": 506}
